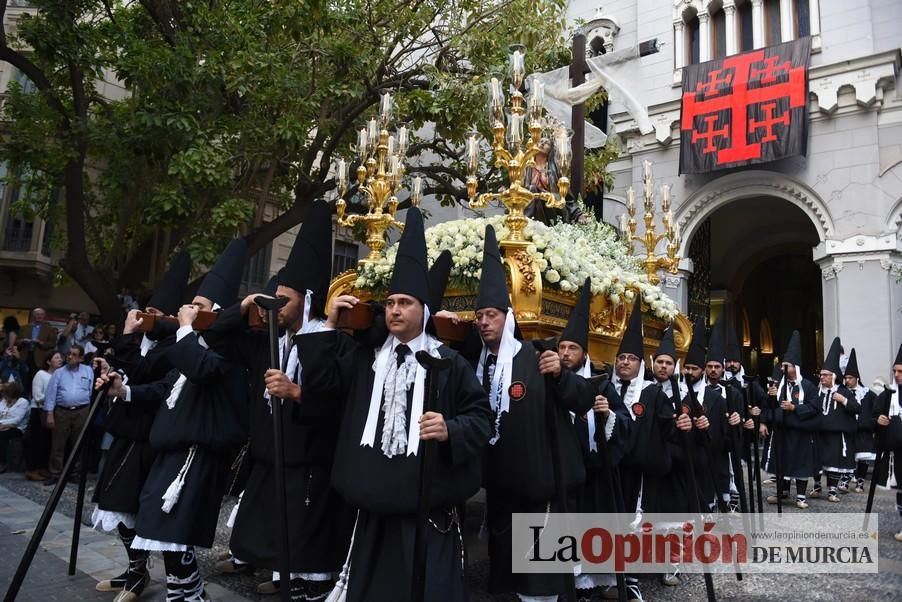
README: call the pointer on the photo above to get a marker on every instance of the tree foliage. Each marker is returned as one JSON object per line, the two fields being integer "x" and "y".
{"x": 230, "y": 104}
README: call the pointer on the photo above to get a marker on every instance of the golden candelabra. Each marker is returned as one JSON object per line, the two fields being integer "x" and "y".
{"x": 650, "y": 238}
{"x": 379, "y": 177}
{"x": 516, "y": 154}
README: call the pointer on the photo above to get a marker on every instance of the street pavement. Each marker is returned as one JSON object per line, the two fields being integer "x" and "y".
{"x": 101, "y": 556}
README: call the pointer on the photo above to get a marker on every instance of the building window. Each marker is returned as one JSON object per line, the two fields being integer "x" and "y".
{"x": 256, "y": 270}
{"x": 345, "y": 257}
{"x": 692, "y": 41}
{"x": 773, "y": 34}
{"x": 746, "y": 33}
{"x": 19, "y": 229}
{"x": 801, "y": 13}
{"x": 718, "y": 34}
{"x": 25, "y": 84}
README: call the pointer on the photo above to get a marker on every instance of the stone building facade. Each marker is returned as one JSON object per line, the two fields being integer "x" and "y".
{"x": 809, "y": 243}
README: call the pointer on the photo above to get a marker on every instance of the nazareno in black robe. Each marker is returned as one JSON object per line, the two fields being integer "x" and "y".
{"x": 595, "y": 495}
{"x": 319, "y": 520}
{"x": 838, "y": 430}
{"x": 669, "y": 492}
{"x": 130, "y": 456}
{"x": 386, "y": 490}
{"x": 800, "y": 460}
{"x": 865, "y": 449}
{"x": 207, "y": 422}
{"x": 519, "y": 472}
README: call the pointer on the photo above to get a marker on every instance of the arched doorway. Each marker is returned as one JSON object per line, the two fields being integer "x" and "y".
{"x": 750, "y": 237}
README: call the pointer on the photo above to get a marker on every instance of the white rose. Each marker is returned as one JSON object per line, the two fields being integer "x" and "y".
{"x": 552, "y": 276}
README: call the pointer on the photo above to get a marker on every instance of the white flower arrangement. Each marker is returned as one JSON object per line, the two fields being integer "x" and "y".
{"x": 566, "y": 254}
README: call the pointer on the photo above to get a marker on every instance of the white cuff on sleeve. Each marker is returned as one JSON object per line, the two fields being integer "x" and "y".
{"x": 609, "y": 426}
{"x": 182, "y": 332}
{"x": 128, "y": 394}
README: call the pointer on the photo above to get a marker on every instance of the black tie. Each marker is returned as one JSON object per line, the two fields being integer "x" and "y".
{"x": 402, "y": 350}
{"x": 624, "y": 385}
{"x": 487, "y": 372}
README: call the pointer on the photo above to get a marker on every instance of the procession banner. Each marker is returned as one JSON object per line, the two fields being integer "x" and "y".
{"x": 745, "y": 109}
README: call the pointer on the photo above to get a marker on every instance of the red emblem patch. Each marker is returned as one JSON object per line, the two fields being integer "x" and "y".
{"x": 638, "y": 409}
{"x": 584, "y": 418}
{"x": 517, "y": 391}
{"x": 685, "y": 409}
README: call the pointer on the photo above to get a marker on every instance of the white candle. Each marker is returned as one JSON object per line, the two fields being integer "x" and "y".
{"x": 624, "y": 226}
{"x": 391, "y": 145}
{"x": 362, "y": 145}
{"x": 631, "y": 200}
{"x": 342, "y": 176}
{"x": 385, "y": 109}
{"x": 676, "y": 233}
{"x": 647, "y": 169}
{"x": 417, "y": 191}
{"x": 472, "y": 155}
{"x": 372, "y": 134}
{"x": 495, "y": 99}
{"x": 402, "y": 141}
{"x": 517, "y": 67}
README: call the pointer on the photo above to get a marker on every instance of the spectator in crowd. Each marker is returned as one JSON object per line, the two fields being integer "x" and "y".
{"x": 37, "y": 438}
{"x": 77, "y": 332}
{"x": 97, "y": 345}
{"x": 10, "y": 332}
{"x": 12, "y": 368}
{"x": 13, "y": 418}
{"x": 111, "y": 331}
{"x": 37, "y": 340}
{"x": 66, "y": 408}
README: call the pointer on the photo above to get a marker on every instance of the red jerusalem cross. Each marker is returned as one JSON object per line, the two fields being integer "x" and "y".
{"x": 738, "y": 124}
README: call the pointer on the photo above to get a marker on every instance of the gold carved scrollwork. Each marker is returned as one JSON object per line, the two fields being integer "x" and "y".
{"x": 527, "y": 272}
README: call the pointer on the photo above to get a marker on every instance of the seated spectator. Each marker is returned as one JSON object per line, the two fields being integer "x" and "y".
{"x": 97, "y": 345}
{"x": 37, "y": 436}
{"x": 13, "y": 418}
{"x": 13, "y": 368}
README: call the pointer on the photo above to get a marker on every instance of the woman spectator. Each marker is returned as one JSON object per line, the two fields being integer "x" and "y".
{"x": 10, "y": 332}
{"x": 37, "y": 440}
{"x": 13, "y": 418}
{"x": 12, "y": 368}
{"x": 98, "y": 344}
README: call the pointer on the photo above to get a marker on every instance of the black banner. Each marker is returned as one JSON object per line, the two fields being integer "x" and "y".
{"x": 746, "y": 108}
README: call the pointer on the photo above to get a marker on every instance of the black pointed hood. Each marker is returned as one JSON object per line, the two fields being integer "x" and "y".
{"x": 667, "y": 346}
{"x": 732, "y": 351}
{"x": 438, "y": 280}
{"x": 271, "y": 285}
{"x": 695, "y": 356}
{"x": 309, "y": 264}
{"x": 577, "y": 330}
{"x": 221, "y": 283}
{"x": 852, "y": 365}
{"x": 411, "y": 272}
{"x": 831, "y": 361}
{"x": 169, "y": 295}
{"x": 793, "y": 354}
{"x": 493, "y": 282}
{"x": 716, "y": 344}
{"x": 632, "y": 341}
{"x": 898, "y": 357}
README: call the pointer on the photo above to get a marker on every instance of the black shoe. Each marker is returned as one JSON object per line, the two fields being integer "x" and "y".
{"x": 315, "y": 590}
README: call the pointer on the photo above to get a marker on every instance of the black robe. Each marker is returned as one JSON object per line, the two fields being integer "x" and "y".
{"x": 838, "y": 429}
{"x": 864, "y": 439}
{"x": 669, "y": 493}
{"x": 712, "y": 464}
{"x": 519, "y": 467}
{"x": 601, "y": 492}
{"x": 208, "y": 419}
{"x": 386, "y": 490}
{"x": 130, "y": 456}
{"x": 801, "y": 459}
{"x": 319, "y": 521}
{"x": 648, "y": 452}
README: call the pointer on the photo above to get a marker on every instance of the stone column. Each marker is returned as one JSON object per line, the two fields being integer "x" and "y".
{"x": 729, "y": 9}
{"x": 862, "y": 296}
{"x": 758, "y": 23}
{"x": 704, "y": 37}
{"x": 679, "y": 45}
{"x": 676, "y": 286}
{"x": 787, "y": 31}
